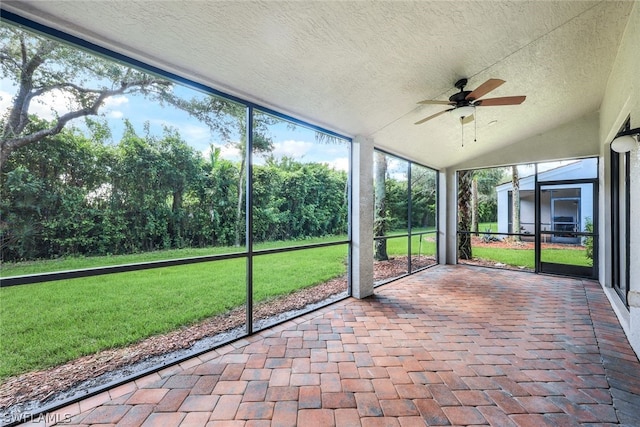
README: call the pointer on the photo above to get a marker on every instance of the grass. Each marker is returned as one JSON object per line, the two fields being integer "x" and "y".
{"x": 420, "y": 245}
{"x": 75, "y": 263}
{"x": 46, "y": 324}
{"x": 526, "y": 257}
{"x": 484, "y": 226}
{"x": 518, "y": 258}
{"x": 566, "y": 256}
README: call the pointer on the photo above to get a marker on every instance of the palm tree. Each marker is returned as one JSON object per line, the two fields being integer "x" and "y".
{"x": 464, "y": 214}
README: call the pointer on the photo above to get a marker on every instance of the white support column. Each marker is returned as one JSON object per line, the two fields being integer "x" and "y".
{"x": 604, "y": 227}
{"x": 449, "y": 207}
{"x": 443, "y": 220}
{"x": 362, "y": 218}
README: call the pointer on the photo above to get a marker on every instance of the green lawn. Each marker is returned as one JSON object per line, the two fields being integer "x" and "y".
{"x": 518, "y": 258}
{"x": 47, "y": 324}
{"x": 525, "y": 257}
{"x": 424, "y": 245}
{"x": 484, "y": 226}
{"x": 75, "y": 263}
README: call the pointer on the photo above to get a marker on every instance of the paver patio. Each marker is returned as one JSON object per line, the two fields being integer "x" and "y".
{"x": 452, "y": 345}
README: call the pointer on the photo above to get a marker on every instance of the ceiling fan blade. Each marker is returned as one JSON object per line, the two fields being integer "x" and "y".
{"x": 467, "y": 119}
{"x": 505, "y": 100}
{"x": 484, "y": 89}
{"x": 435, "y": 102}
{"x": 433, "y": 116}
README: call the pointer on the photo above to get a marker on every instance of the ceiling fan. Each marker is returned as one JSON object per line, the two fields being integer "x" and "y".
{"x": 465, "y": 101}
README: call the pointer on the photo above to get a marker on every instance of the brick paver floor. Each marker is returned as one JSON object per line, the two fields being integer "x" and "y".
{"x": 452, "y": 345}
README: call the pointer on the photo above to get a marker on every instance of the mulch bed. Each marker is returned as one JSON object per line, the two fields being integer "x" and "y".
{"x": 507, "y": 243}
{"x": 41, "y": 386}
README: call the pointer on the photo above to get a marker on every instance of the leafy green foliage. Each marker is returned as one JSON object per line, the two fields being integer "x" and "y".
{"x": 423, "y": 197}
{"x": 294, "y": 200}
{"x": 487, "y": 180}
{"x": 381, "y": 216}
{"x": 588, "y": 241}
{"x": 77, "y": 197}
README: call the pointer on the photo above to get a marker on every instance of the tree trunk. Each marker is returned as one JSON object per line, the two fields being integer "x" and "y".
{"x": 515, "y": 202}
{"x": 464, "y": 214}
{"x": 474, "y": 206}
{"x": 175, "y": 225}
{"x": 380, "y": 220}
{"x": 239, "y": 219}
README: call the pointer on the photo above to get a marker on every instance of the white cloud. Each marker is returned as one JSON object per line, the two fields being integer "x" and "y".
{"x": 115, "y": 101}
{"x": 340, "y": 163}
{"x": 115, "y": 114}
{"x": 5, "y": 101}
{"x": 291, "y": 148}
{"x": 111, "y": 104}
{"x": 227, "y": 152}
{"x": 230, "y": 152}
{"x": 51, "y": 104}
{"x": 335, "y": 149}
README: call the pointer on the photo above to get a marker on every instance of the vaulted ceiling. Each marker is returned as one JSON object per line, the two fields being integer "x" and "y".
{"x": 360, "y": 67}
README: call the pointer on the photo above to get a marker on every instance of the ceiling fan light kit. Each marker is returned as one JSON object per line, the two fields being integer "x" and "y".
{"x": 462, "y": 112}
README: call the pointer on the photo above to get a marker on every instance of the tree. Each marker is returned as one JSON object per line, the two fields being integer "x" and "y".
{"x": 229, "y": 120}
{"x": 380, "y": 211}
{"x": 423, "y": 196}
{"x": 42, "y": 67}
{"x": 464, "y": 214}
{"x": 214, "y": 205}
{"x": 45, "y": 209}
{"x": 485, "y": 207}
{"x": 515, "y": 202}
{"x": 296, "y": 200}
{"x": 474, "y": 205}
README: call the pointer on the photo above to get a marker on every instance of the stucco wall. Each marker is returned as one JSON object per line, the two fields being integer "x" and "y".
{"x": 622, "y": 100}
{"x": 578, "y": 138}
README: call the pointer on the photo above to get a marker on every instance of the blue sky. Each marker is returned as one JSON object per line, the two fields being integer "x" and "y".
{"x": 298, "y": 143}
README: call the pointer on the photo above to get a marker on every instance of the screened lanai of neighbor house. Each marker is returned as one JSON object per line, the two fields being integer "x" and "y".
{"x": 170, "y": 151}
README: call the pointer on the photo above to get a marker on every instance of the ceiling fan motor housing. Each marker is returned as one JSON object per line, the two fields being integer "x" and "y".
{"x": 460, "y": 98}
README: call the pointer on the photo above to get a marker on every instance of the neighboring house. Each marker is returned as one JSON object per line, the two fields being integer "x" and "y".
{"x": 565, "y": 207}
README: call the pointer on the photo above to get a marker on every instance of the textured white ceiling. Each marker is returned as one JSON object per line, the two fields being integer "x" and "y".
{"x": 359, "y": 67}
